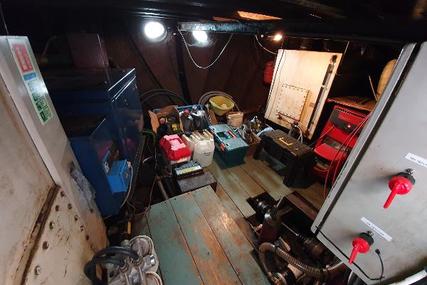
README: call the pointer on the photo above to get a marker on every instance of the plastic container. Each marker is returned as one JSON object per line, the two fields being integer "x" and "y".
{"x": 202, "y": 145}
{"x": 235, "y": 119}
{"x": 221, "y": 105}
{"x": 175, "y": 149}
{"x": 187, "y": 121}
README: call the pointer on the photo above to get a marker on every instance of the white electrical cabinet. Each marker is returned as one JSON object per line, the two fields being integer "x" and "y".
{"x": 301, "y": 83}
{"x": 391, "y": 150}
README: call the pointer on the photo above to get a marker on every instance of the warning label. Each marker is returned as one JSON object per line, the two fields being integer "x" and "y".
{"x": 22, "y": 57}
{"x": 32, "y": 80}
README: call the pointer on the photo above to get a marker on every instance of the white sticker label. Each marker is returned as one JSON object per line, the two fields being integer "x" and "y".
{"x": 376, "y": 229}
{"x": 417, "y": 159}
{"x": 33, "y": 82}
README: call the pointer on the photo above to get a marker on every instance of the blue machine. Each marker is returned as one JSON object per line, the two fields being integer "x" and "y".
{"x": 98, "y": 156}
{"x": 111, "y": 93}
{"x": 101, "y": 114}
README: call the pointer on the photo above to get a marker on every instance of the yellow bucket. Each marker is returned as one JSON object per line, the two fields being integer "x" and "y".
{"x": 221, "y": 105}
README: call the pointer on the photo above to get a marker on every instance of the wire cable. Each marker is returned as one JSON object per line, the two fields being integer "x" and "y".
{"x": 263, "y": 47}
{"x": 301, "y": 136}
{"x": 3, "y": 19}
{"x": 192, "y": 58}
{"x": 360, "y": 126}
{"x": 377, "y": 251}
{"x": 348, "y": 138}
{"x": 130, "y": 186}
{"x": 322, "y": 136}
{"x": 145, "y": 211}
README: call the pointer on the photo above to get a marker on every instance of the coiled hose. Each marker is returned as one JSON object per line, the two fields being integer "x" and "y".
{"x": 315, "y": 272}
{"x": 114, "y": 255}
{"x": 118, "y": 250}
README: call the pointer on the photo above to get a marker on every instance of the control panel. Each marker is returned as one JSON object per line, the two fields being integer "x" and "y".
{"x": 374, "y": 216}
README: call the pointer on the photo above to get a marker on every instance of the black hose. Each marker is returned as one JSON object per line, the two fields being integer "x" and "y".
{"x": 146, "y": 96}
{"x": 263, "y": 260}
{"x": 316, "y": 272}
{"x": 118, "y": 250}
{"x": 90, "y": 267}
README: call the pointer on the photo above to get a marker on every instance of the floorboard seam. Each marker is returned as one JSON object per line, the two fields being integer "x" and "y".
{"x": 246, "y": 221}
{"x": 186, "y": 242}
{"x": 231, "y": 199}
{"x": 256, "y": 182}
{"x": 216, "y": 238}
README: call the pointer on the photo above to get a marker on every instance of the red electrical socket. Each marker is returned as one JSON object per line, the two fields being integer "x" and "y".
{"x": 361, "y": 244}
{"x": 400, "y": 184}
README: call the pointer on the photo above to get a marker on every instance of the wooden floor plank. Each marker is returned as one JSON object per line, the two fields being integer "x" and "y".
{"x": 313, "y": 194}
{"x": 235, "y": 213}
{"x": 269, "y": 180}
{"x": 233, "y": 189}
{"x": 211, "y": 261}
{"x": 245, "y": 181}
{"x": 176, "y": 262}
{"x": 234, "y": 243}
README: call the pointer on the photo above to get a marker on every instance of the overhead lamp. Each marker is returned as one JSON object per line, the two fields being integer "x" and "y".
{"x": 200, "y": 36}
{"x": 277, "y": 37}
{"x": 154, "y": 30}
{"x": 256, "y": 16}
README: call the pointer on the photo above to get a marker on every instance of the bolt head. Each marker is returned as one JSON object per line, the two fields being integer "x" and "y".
{"x": 37, "y": 270}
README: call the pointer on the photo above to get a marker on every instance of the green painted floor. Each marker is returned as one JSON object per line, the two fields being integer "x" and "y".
{"x": 203, "y": 237}
{"x": 198, "y": 242}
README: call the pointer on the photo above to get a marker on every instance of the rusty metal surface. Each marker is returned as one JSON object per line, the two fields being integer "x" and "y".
{"x": 62, "y": 248}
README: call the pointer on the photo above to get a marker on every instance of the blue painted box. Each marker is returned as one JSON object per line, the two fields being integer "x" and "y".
{"x": 111, "y": 93}
{"x": 98, "y": 156}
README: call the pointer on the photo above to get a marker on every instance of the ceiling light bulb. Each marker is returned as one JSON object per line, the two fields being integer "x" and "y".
{"x": 154, "y": 30}
{"x": 277, "y": 37}
{"x": 200, "y": 36}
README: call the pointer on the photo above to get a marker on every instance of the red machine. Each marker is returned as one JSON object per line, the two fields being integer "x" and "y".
{"x": 336, "y": 141}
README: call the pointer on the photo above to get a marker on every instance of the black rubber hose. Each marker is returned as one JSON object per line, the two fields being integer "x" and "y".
{"x": 119, "y": 250}
{"x": 263, "y": 261}
{"x": 156, "y": 92}
{"x": 90, "y": 267}
{"x": 316, "y": 272}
